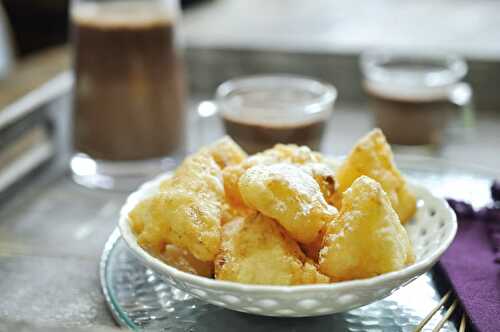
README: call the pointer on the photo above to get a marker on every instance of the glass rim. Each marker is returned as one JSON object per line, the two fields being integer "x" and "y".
{"x": 322, "y": 103}
{"x": 157, "y": 9}
{"x": 454, "y": 67}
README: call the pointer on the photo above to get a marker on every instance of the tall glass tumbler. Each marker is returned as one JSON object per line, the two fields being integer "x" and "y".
{"x": 129, "y": 117}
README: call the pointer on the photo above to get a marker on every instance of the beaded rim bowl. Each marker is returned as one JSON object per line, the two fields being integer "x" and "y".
{"x": 431, "y": 232}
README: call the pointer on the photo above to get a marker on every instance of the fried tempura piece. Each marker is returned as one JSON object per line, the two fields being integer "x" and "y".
{"x": 256, "y": 250}
{"x": 372, "y": 156}
{"x": 311, "y": 275}
{"x": 324, "y": 177}
{"x": 298, "y": 155}
{"x": 230, "y": 212}
{"x": 290, "y": 195}
{"x": 198, "y": 172}
{"x": 312, "y": 249}
{"x": 186, "y": 212}
{"x": 367, "y": 238}
{"x": 227, "y": 152}
{"x": 293, "y": 154}
{"x": 183, "y": 260}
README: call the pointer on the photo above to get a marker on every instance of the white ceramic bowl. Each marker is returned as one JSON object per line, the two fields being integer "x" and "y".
{"x": 431, "y": 232}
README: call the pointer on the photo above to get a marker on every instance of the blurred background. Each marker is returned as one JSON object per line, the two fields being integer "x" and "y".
{"x": 323, "y": 39}
{"x": 330, "y": 34}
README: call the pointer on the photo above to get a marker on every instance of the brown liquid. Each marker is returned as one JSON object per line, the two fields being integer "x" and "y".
{"x": 257, "y": 137}
{"x": 411, "y": 122}
{"x": 128, "y": 95}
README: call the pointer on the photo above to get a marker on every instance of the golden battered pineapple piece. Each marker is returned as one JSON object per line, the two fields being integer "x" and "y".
{"x": 294, "y": 154}
{"x": 256, "y": 250}
{"x": 314, "y": 163}
{"x": 324, "y": 177}
{"x": 186, "y": 212}
{"x": 291, "y": 196}
{"x": 298, "y": 155}
{"x": 198, "y": 172}
{"x": 311, "y": 275}
{"x": 312, "y": 249}
{"x": 230, "y": 212}
{"x": 367, "y": 238}
{"x": 149, "y": 233}
{"x": 183, "y": 260}
{"x": 227, "y": 152}
{"x": 372, "y": 156}
{"x": 232, "y": 174}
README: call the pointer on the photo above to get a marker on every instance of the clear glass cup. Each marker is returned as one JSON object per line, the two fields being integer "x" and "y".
{"x": 415, "y": 97}
{"x": 260, "y": 111}
{"x": 129, "y": 116}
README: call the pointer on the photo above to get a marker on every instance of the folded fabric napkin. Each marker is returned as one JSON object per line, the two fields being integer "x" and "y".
{"x": 472, "y": 266}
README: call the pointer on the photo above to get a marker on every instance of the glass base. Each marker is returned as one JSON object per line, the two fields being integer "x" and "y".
{"x": 117, "y": 175}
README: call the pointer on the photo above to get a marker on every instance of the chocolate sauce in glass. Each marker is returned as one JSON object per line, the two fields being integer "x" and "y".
{"x": 257, "y": 137}
{"x": 409, "y": 103}
{"x": 410, "y": 120}
{"x": 259, "y": 112}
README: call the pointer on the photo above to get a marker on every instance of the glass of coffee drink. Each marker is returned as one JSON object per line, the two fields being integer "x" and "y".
{"x": 414, "y": 96}
{"x": 261, "y": 111}
{"x": 129, "y": 117}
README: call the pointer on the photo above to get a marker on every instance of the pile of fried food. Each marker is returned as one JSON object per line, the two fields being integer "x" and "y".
{"x": 285, "y": 216}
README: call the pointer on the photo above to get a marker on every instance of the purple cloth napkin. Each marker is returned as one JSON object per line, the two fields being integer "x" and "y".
{"x": 470, "y": 266}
